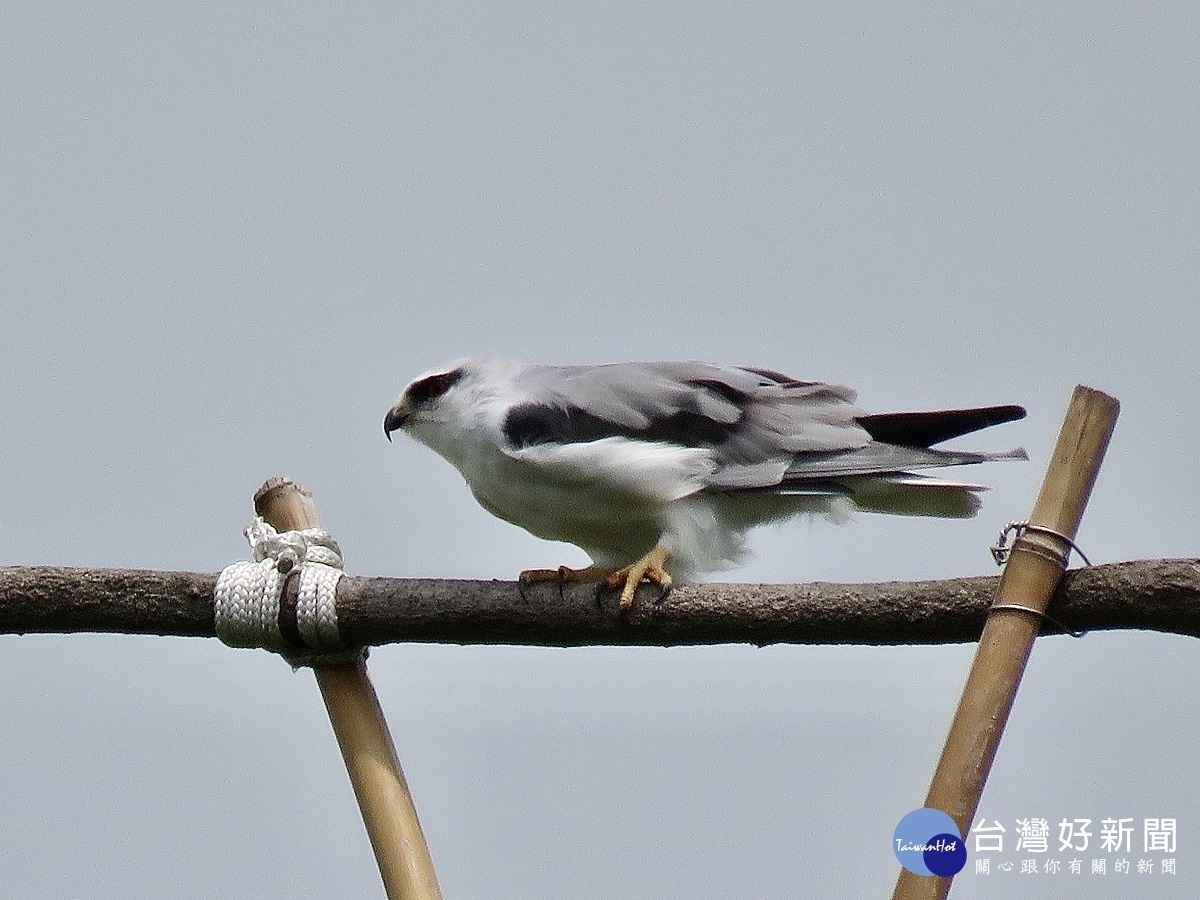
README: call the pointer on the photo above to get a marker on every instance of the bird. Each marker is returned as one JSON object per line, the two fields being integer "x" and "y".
{"x": 657, "y": 470}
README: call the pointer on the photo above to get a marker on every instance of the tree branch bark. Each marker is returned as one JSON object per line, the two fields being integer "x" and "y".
{"x": 1157, "y": 595}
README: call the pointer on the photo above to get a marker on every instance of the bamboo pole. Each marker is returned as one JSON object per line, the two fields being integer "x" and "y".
{"x": 1038, "y": 560}
{"x": 362, "y": 734}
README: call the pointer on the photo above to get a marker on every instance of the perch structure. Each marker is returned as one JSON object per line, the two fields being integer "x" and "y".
{"x": 1161, "y": 595}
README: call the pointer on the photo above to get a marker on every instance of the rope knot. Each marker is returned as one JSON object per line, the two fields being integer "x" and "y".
{"x": 292, "y": 548}
{"x": 248, "y": 595}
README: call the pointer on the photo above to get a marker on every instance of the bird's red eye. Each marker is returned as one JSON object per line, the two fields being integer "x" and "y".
{"x": 434, "y": 386}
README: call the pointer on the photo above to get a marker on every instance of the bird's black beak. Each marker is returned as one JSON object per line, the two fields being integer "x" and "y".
{"x": 394, "y": 420}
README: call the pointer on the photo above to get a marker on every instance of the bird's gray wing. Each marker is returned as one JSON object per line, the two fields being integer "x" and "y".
{"x": 753, "y": 421}
{"x": 764, "y": 430}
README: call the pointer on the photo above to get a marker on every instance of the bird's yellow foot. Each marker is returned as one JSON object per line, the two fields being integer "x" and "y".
{"x": 560, "y": 576}
{"x": 650, "y": 568}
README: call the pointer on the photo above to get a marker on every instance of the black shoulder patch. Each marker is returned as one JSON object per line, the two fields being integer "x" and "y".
{"x": 530, "y": 424}
{"x": 539, "y": 423}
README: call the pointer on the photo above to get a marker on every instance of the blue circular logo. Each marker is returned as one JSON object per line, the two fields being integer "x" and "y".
{"x": 927, "y": 842}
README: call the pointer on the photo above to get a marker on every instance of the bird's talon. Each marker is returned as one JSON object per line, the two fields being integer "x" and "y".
{"x": 649, "y": 568}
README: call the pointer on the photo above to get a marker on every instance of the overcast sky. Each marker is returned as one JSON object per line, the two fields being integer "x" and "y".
{"x": 231, "y": 235}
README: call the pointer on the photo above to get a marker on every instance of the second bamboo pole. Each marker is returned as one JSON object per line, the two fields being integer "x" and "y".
{"x": 362, "y": 734}
{"x": 1038, "y": 559}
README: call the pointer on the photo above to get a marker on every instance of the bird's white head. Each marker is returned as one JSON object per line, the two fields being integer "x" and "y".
{"x": 441, "y": 407}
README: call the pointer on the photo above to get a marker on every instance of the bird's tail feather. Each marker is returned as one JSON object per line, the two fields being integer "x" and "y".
{"x": 908, "y": 494}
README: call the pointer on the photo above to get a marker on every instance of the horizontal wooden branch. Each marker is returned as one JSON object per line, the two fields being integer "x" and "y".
{"x": 1158, "y": 595}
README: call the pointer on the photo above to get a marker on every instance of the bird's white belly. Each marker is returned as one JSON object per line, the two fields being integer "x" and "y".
{"x": 614, "y": 498}
{"x": 613, "y": 526}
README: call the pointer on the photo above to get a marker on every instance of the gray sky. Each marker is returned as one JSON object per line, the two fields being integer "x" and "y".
{"x": 230, "y": 237}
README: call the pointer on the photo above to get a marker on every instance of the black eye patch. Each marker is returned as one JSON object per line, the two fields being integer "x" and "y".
{"x": 434, "y": 386}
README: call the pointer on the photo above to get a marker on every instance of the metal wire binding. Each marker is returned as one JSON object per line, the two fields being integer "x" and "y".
{"x": 1017, "y": 607}
{"x": 1001, "y": 551}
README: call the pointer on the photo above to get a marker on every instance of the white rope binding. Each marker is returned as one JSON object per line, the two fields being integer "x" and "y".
{"x": 246, "y": 601}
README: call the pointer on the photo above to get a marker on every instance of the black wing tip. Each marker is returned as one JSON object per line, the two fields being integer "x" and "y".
{"x": 1009, "y": 412}
{"x": 924, "y": 429}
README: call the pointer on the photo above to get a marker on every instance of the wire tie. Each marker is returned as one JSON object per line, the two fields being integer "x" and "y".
{"x": 1017, "y": 607}
{"x": 1001, "y": 551}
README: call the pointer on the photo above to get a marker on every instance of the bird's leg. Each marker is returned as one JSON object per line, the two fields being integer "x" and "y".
{"x": 561, "y": 576}
{"x": 649, "y": 567}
